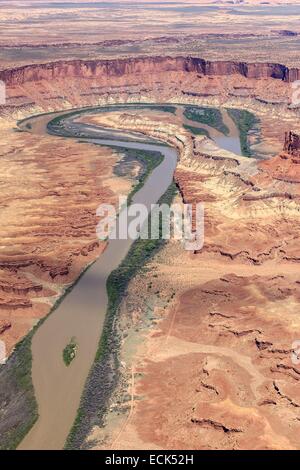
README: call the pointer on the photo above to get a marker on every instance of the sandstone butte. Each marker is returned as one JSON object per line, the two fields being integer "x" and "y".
{"x": 225, "y": 340}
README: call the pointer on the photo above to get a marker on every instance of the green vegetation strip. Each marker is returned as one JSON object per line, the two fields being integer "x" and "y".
{"x": 149, "y": 160}
{"x": 104, "y": 374}
{"x": 245, "y": 122}
{"x": 210, "y": 116}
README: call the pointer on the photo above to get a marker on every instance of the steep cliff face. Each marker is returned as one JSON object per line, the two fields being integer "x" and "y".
{"x": 292, "y": 144}
{"x": 121, "y": 67}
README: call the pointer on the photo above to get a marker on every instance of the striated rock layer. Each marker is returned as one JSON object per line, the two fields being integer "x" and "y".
{"x": 118, "y": 67}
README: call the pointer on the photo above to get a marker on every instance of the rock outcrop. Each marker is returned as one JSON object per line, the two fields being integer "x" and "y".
{"x": 292, "y": 144}
{"x": 225, "y": 293}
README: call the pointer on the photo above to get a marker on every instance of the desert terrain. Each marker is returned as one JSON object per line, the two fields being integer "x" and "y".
{"x": 244, "y": 30}
{"x": 202, "y": 353}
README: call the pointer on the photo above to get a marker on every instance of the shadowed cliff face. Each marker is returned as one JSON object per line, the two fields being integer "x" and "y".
{"x": 121, "y": 67}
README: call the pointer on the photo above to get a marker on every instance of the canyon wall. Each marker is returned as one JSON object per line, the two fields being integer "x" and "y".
{"x": 120, "y": 67}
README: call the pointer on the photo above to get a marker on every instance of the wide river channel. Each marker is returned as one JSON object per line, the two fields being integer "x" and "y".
{"x": 81, "y": 315}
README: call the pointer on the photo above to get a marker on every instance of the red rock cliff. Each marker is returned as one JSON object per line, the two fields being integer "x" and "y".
{"x": 119, "y": 67}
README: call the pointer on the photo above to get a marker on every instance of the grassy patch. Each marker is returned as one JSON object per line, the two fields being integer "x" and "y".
{"x": 18, "y": 406}
{"x": 104, "y": 373}
{"x": 164, "y": 108}
{"x": 196, "y": 130}
{"x": 210, "y": 116}
{"x": 69, "y": 353}
{"x": 245, "y": 122}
